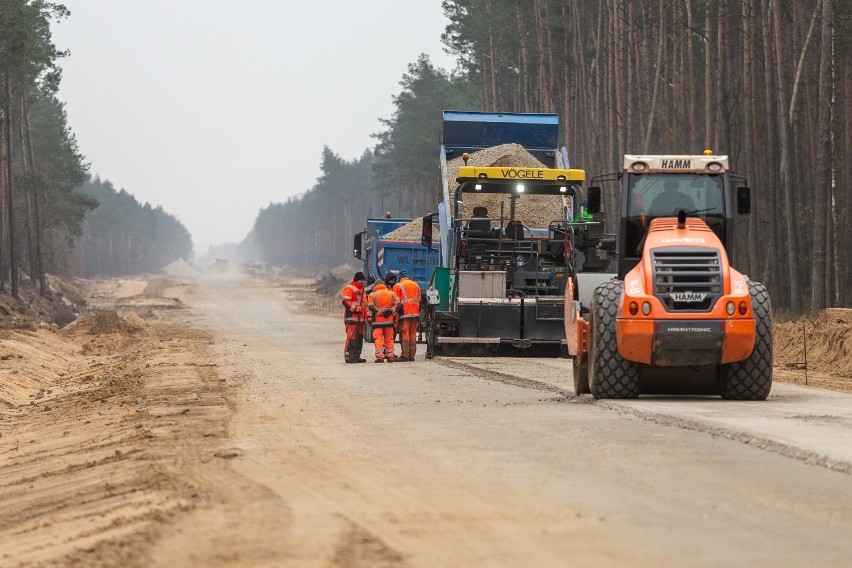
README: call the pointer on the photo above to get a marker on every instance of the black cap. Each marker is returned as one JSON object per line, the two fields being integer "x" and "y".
{"x": 358, "y": 276}
{"x": 390, "y": 277}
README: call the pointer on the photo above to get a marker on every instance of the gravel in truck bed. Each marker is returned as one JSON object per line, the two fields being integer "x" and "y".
{"x": 531, "y": 210}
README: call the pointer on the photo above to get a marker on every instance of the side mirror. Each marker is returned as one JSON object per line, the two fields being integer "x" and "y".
{"x": 426, "y": 235}
{"x": 594, "y": 198}
{"x": 743, "y": 200}
{"x": 356, "y": 245}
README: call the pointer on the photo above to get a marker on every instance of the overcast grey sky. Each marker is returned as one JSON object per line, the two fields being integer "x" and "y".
{"x": 216, "y": 108}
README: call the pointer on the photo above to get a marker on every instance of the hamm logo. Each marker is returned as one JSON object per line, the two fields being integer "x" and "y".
{"x": 690, "y": 297}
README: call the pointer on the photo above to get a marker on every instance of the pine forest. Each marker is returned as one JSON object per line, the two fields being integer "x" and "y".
{"x": 765, "y": 82}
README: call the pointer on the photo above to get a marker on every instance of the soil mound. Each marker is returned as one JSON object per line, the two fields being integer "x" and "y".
{"x": 180, "y": 267}
{"x": 328, "y": 285}
{"x": 59, "y": 306}
{"x": 828, "y": 337}
{"x": 100, "y": 323}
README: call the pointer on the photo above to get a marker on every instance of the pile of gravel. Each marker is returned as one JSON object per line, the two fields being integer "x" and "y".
{"x": 412, "y": 231}
{"x": 532, "y": 210}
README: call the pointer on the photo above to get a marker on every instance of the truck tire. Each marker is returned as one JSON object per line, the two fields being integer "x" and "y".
{"x": 581, "y": 377}
{"x": 751, "y": 379}
{"x": 610, "y": 374}
{"x": 429, "y": 322}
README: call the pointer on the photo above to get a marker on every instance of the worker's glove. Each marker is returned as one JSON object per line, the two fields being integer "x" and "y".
{"x": 356, "y": 310}
{"x": 387, "y": 312}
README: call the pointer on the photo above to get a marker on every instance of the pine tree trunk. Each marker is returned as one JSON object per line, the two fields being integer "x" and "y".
{"x": 523, "y": 63}
{"x": 770, "y": 140}
{"x": 786, "y": 179}
{"x": 749, "y": 137}
{"x": 657, "y": 74}
{"x": 33, "y": 196}
{"x": 823, "y": 179}
{"x": 10, "y": 201}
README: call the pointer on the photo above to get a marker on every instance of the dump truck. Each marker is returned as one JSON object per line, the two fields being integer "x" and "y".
{"x": 674, "y": 316}
{"x": 381, "y": 254}
{"x": 499, "y": 288}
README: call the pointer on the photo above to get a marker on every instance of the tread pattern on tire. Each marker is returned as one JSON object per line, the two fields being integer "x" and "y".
{"x": 610, "y": 374}
{"x": 751, "y": 378}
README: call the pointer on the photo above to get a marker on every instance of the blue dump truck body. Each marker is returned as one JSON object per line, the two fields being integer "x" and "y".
{"x": 471, "y": 131}
{"x": 381, "y": 255}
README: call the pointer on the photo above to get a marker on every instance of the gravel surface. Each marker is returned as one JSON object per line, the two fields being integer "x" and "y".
{"x": 228, "y": 432}
{"x": 532, "y": 210}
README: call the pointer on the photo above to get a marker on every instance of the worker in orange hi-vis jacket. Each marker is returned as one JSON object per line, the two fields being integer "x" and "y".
{"x": 383, "y": 309}
{"x": 408, "y": 293}
{"x": 354, "y": 318}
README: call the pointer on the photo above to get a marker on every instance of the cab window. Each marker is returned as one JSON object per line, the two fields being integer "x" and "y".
{"x": 664, "y": 195}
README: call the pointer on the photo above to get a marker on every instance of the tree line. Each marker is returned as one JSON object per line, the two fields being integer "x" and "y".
{"x": 765, "y": 82}
{"x": 399, "y": 175}
{"x": 40, "y": 165}
{"x": 316, "y": 228}
{"x": 122, "y": 236}
{"x": 44, "y": 207}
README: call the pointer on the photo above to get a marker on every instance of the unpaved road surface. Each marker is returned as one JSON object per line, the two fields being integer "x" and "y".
{"x": 221, "y": 428}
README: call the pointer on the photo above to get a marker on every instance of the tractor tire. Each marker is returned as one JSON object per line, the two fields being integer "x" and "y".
{"x": 581, "y": 378}
{"x": 751, "y": 379}
{"x": 610, "y": 374}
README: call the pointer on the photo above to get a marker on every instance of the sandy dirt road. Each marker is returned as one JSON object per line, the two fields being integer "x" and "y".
{"x": 239, "y": 438}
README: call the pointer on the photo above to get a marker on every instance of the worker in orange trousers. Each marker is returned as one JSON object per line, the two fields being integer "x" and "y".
{"x": 354, "y": 318}
{"x": 408, "y": 293}
{"x": 383, "y": 310}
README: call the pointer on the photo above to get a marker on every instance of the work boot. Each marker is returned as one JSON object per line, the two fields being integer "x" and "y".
{"x": 402, "y": 359}
{"x": 379, "y": 361}
{"x": 390, "y": 359}
{"x": 361, "y": 361}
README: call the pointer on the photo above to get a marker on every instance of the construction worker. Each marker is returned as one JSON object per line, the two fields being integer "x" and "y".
{"x": 408, "y": 293}
{"x": 390, "y": 281}
{"x": 354, "y": 318}
{"x": 383, "y": 309}
{"x": 670, "y": 201}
